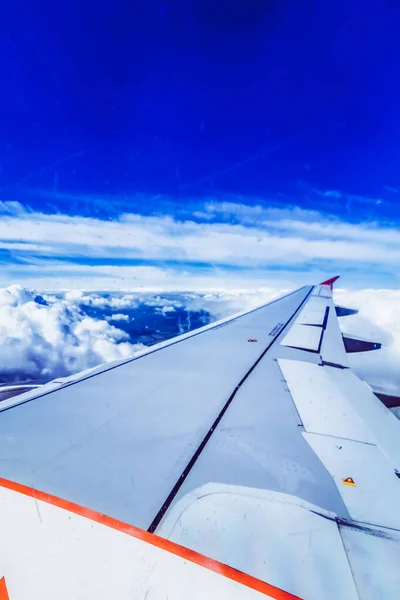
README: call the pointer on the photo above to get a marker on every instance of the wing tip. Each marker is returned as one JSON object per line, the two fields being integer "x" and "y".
{"x": 330, "y": 281}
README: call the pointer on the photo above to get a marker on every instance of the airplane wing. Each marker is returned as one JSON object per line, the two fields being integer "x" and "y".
{"x": 241, "y": 460}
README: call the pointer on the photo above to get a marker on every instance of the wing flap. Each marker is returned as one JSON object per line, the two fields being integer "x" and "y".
{"x": 322, "y": 406}
{"x": 303, "y": 337}
{"x": 313, "y": 313}
{"x": 364, "y": 478}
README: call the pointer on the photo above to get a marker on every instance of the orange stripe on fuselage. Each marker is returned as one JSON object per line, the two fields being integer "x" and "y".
{"x": 150, "y": 538}
{"x": 3, "y": 590}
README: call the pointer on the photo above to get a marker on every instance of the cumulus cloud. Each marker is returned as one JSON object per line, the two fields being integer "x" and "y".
{"x": 102, "y": 300}
{"x": 117, "y": 317}
{"x": 44, "y": 339}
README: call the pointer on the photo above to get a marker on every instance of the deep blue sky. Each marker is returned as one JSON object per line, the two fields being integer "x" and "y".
{"x": 192, "y": 97}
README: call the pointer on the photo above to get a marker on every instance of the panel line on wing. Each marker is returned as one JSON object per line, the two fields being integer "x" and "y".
{"x": 321, "y": 404}
{"x": 208, "y": 435}
{"x": 308, "y": 330}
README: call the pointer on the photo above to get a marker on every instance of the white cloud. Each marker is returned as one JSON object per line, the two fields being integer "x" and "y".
{"x": 167, "y": 309}
{"x": 83, "y": 298}
{"x": 117, "y": 317}
{"x": 260, "y": 237}
{"x": 60, "y": 276}
{"x": 378, "y": 320}
{"x": 337, "y": 230}
{"x": 332, "y": 194}
{"x": 349, "y": 198}
{"x": 221, "y": 304}
{"x": 53, "y": 340}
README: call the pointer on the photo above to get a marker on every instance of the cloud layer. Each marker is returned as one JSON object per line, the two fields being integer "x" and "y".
{"x": 220, "y": 240}
{"x": 46, "y": 336}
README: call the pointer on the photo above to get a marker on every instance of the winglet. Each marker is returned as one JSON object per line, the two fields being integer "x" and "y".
{"x": 330, "y": 282}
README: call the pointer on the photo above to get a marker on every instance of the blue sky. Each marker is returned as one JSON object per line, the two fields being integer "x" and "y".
{"x": 199, "y": 143}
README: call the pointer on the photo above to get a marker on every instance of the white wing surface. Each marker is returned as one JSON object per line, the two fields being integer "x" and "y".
{"x": 264, "y": 466}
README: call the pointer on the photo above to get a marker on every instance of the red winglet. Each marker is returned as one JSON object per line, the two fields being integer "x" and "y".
{"x": 331, "y": 281}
